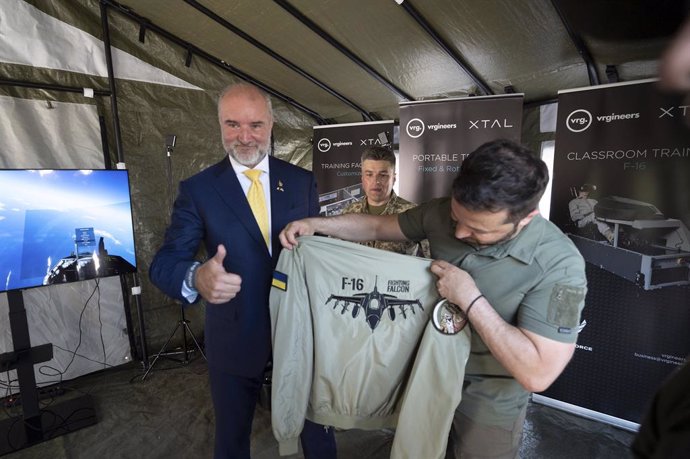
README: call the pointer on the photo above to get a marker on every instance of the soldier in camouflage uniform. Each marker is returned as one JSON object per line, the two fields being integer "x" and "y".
{"x": 378, "y": 177}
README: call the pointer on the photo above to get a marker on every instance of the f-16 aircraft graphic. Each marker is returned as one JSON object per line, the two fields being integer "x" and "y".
{"x": 374, "y": 304}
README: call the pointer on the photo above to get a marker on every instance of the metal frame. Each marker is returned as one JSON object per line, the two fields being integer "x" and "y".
{"x": 191, "y": 49}
{"x": 424, "y": 24}
{"x": 580, "y": 45}
{"x": 343, "y": 49}
{"x": 292, "y": 66}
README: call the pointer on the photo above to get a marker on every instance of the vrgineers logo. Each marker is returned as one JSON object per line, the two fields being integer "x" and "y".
{"x": 579, "y": 120}
{"x": 415, "y": 128}
{"x": 324, "y": 145}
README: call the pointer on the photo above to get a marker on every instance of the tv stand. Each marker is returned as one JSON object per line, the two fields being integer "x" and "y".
{"x": 35, "y": 424}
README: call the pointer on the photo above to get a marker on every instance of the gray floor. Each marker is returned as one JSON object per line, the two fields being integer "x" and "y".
{"x": 169, "y": 415}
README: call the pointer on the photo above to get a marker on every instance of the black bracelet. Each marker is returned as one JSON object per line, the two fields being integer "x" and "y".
{"x": 467, "y": 311}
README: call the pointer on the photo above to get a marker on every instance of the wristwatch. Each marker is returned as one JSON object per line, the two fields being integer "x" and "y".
{"x": 190, "y": 276}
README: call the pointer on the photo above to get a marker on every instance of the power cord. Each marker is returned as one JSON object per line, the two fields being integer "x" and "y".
{"x": 55, "y": 422}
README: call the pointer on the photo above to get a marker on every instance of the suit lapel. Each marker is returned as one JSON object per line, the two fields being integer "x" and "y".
{"x": 230, "y": 190}
{"x": 280, "y": 201}
{"x": 282, "y": 196}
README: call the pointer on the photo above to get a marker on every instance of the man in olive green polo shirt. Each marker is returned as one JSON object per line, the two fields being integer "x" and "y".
{"x": 517, "y": 277}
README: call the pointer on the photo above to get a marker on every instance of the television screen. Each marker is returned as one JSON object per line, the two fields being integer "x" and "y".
{"x": 61, "y": 226}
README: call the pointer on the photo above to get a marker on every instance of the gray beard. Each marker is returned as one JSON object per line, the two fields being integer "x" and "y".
{"x": 249, "y": 161}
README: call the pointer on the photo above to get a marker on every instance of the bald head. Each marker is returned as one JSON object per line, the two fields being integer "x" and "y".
{"x": 248, "y": 90}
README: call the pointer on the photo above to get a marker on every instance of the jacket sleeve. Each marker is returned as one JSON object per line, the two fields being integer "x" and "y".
{"x": 432, "y": 394}
{"x": 313, "y": 198}
{"x": 293, "y": 346}
{"x": 182, "y": 240}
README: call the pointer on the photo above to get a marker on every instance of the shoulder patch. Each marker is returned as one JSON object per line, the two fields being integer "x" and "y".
{"x": 280, "y": 280}
{"x": 564, "y": 307}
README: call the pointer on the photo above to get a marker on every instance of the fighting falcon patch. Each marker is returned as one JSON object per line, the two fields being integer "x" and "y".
{"x": 279, "y": 281}
{"x": 374, "y": 303}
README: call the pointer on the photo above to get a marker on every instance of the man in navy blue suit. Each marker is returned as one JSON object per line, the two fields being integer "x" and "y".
{"x": 212, "y": 207}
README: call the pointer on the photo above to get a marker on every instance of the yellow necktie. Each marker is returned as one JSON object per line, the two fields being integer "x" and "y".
{"x": 257, "y": 202}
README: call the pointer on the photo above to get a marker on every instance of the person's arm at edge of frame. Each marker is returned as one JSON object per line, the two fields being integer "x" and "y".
{"x": 533, "y": 360}
{"x": 674, "y": 65}
{"x": 351, "y": 227}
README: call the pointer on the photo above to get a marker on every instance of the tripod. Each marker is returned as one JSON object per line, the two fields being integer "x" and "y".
{"x": 183, "y": 323}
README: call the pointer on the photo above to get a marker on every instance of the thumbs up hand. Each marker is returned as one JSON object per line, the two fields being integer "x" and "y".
{"x": 213, "y": 283}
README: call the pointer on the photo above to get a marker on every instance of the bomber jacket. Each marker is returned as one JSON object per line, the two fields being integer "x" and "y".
{"x": 353, "y": 346}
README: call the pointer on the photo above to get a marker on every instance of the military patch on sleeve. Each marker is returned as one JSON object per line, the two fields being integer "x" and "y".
{"x": 564, "y": 307}
{"x": 280, "y": 280}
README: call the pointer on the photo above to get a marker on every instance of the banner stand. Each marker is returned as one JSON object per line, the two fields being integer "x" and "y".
{"x": 620, "y": 193}
{"x": 585, "y": 413}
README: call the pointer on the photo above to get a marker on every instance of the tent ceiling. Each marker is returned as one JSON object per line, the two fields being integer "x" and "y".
{"x": 349, "y": 60}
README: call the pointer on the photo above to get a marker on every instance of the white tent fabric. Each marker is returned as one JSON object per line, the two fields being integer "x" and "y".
{"x": 31, "y": 37}
{"x": 42, "y": 134}
{"x": 82, "y": 342}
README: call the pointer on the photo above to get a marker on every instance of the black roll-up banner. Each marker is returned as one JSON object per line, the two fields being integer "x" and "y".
{"x": 436, "y": 135}
{"x": 337, "y": 152}
{"x": 621, "y": 192}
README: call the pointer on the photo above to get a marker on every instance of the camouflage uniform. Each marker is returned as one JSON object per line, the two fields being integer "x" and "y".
{"x": 395, "y": 205}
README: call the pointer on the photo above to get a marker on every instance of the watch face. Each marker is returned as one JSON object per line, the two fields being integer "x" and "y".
{"x": 448, "y": 318}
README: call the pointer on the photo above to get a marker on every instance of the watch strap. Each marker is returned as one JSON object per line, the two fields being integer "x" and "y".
{"x": 190, "y": 276}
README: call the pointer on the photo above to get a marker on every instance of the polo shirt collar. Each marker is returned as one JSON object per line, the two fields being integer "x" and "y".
{"x": 523, "y": 246}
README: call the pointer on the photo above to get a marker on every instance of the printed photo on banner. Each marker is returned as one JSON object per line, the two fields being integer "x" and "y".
{"x": 620, "y": 192}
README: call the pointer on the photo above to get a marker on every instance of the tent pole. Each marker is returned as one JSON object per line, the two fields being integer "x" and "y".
{"x": 579, "y": 45}
{"x": 343, "y": 49}
{"x": 424, "y": 24}
{"x": 50, "y": 87}
{"x": 212, "y": 59}
{"x": 111, "y": 82}
{"x": 291, "y": 65}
